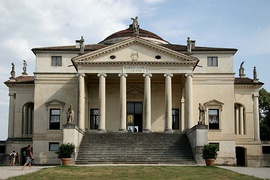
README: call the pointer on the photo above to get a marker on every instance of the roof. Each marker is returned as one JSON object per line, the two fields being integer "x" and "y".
{"x": 178, "y": 47}
{"x": 246, "y": 81}
{"x": 94, "y": 47}
{"x": 88, "y": 47}
{"x": 21, "y": 80}
{"x": 127, "y": 33}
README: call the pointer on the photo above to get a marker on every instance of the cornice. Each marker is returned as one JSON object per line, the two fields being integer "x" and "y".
{"x": 20, "y": 85}
{"x": 249, "y": 86}
{"x": 137, "y": 63}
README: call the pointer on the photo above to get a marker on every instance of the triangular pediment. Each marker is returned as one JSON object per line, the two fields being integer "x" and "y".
{"x": 54, "y": 102}
{"x": 214, "y": 102}
{"x": 135, "y": 91}
{"x": 135, "y": 50}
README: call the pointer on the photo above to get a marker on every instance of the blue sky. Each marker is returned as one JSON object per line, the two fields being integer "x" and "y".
{"x": 25, "y": 24}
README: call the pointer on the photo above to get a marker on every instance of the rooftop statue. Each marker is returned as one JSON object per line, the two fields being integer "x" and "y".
{"x": 255, "y": 79}
{"x": 135, "y": 25}
{"x": 12, "y": 72}
{"x": 81, "y": 45}
{"x": 242, "y": 70}
{"x": 24, "y": 67}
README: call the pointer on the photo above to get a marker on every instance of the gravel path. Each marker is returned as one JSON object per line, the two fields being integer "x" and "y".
{"x": 10, "y": 171}
{"x": 261, "y": 172}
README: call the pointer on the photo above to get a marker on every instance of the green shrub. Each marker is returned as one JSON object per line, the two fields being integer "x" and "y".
{"x": 209, "y": 151}
{"x": 65, "y": 150}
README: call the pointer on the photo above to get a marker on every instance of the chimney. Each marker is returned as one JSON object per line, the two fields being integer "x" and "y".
{"x": 77, "y": 44}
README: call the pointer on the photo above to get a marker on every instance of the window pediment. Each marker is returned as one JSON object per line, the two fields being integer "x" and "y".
{"x": 135, "y": 91}
{"x": 54, "y": 102}
{"x": 214, "y": 103}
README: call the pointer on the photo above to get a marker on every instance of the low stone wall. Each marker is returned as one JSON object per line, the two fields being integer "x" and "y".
{"x": 72, "y": 134}
{"x": 198, "y": 137}
{"x": 265, "y": 160}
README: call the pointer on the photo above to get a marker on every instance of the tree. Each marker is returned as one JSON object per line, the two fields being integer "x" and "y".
{"x": 264, "y": 106}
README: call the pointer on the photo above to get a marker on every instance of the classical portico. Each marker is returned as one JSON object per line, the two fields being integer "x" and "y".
{"x": 129, "y": 64}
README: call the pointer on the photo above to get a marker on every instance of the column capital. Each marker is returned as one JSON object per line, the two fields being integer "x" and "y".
{"x": 11, "y": 94}
{"x": 255, "y": 95}
{"x": 188, "y": 74}
{"x": 182, "y": 100}
{"x": 102, "y": 74}
{"x": 168, "y": 74}
{"x": 123, "y": 74}
{"x": 147, "y": 74}
{"x": 81, "y": 74}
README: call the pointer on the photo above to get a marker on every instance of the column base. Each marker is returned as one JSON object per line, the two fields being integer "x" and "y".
{"x": 168, "y": 131}
{"x": 101, "y": 130}
{"x": 147, "y": 131}
{"x": 123, "y": 130}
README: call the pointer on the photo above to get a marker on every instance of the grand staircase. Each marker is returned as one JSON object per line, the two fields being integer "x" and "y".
{"x": 134, "y": 148}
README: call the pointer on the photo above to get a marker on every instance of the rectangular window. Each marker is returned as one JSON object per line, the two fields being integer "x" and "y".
{"x": 213, "y": 118}
{"x": 175, "y": 118}
{"x": 53, "y": 146}
{"x": 266, "y": 149}
{"x": 212, "y": 61}
{"x": 2, "y": 149}
{"x": 56, "y": 60}
{"x": 94, "y": 118}
{"x": 54, "y": 118}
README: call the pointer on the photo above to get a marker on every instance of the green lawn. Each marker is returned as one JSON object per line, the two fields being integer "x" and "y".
{"x": 134, "y": 172}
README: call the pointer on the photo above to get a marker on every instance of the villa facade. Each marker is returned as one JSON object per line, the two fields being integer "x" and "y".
{"x": 136, "y": 82}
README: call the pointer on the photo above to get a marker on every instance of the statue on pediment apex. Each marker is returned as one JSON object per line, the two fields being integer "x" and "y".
{"x": 135, "y": 25}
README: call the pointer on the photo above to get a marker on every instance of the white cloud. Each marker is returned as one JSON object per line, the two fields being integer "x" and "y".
{"x": 154, "y": 1}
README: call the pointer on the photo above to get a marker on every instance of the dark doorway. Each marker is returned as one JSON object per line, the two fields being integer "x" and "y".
{"x": 134, "y": 116}
{"x": 23, "y": 155}
{"x": 240, "y": 156}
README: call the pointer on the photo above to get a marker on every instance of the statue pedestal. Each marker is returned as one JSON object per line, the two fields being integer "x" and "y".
{"x": 198, "y": 137}
{"x": 72, "y": 134}
{"x": 70, "y": 126}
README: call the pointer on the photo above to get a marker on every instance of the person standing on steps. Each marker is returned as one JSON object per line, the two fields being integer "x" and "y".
{"x": 29, "y": 157}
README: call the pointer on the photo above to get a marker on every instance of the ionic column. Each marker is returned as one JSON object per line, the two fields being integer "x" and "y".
{"x": 237, "y": 120}
{"x": 11, "y": 122}
{"x": 189, "y": 101}
{"x": 241, "y": 120}
{"x": 123, "y": 102}
{"x": 102, "y": 102}
{"x": 147, "y": 102}
{"x": 256, "y": 117}
{"x": 168, "y": 102}
{"x": 182, "y": 114}
{"x": 81, "y": 105}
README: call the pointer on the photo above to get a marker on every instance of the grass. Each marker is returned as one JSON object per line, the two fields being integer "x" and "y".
{"x": 134, "y": 172}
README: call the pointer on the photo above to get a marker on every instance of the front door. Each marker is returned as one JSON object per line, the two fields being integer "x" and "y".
{"x": 134, "y": 116}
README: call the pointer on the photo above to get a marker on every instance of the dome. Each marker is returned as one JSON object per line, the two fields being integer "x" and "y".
{"x": 128, "y": 33}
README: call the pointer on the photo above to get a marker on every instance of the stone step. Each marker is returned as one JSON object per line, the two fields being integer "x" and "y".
{"x": 134, "y": 148}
